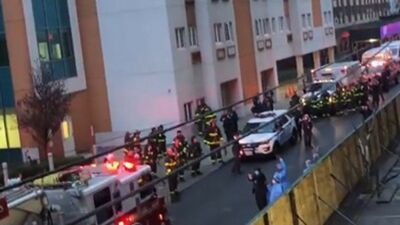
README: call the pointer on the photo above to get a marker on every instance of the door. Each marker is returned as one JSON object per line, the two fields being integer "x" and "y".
{"x": 229, "y": 92}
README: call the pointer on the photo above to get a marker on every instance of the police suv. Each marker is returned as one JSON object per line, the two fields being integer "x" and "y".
{"x": 277, "y": 128}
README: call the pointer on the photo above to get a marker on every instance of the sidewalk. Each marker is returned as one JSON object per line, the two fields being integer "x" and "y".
{"x": 368, "y": 209}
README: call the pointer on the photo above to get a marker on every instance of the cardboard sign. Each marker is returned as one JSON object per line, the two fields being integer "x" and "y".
{"x": 3, "y": 208}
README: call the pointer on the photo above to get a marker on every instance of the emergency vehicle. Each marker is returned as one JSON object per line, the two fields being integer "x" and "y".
{"x": 82, "y": 190}
{"x": 329, "y": 78}
{"x": 375, "y": 59}
{"x": 278, "y": 128}
{"x": 26, "y": 206}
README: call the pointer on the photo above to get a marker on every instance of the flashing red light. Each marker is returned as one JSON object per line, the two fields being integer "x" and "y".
{"x": 131, "y": 218}
{"x": 129, "y": 165}
{"x": 161, "y": 217}
{"x": 121, "y": 223}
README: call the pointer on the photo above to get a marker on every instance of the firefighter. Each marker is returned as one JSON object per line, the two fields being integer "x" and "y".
{"x": 149, "y": 156}
{"x": 268, "y": 102}
{"x": 171, "y": 164}
{"x": 128, "y": 140}
{"x": 181, "y": 138}
{"x": 181, "y": 149}
{"x": 199, "y": 120}
{"x": 153, "y": 137}
{"x": 307, "y": 129}
{"x": 324, "y": 104}
{"x": 195, "y": 152}
{"x": 314, "y": 106}
{"x": 295, "y": 100}
{"x": 213, "y": 139}
{"x": 136, "y": 140}
{"x": 333, "y": 102}
{"x": 208, "y": 114}
{"x": 161, "y": 141}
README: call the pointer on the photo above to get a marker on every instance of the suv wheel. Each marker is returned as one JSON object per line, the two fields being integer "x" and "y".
{"x": 293, "y": 138}
{"x": 276, "y": 148}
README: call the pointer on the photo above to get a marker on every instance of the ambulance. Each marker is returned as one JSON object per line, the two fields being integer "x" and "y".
{"x": 375, "y": 59}
{"x": 78, "y": 191}
{"x": 330, "y": 78}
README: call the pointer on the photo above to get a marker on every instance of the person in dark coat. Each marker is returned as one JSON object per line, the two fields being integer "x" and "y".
{"x": 307, "y": 126}
{"x": 229, "y": 121}
{"x": 195, "y": 152}
{"x": 259, "y": 188}
{"x": 236, "y": 155}
{"x": 257, "y": 106}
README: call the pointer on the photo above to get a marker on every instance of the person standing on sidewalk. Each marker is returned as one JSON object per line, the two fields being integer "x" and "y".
{"x": 161, "y": 141}
{"x": 259, "y": 188}
{"x": 307, "y": 126}
{"x": 229, "y": 120}
{"x": 195, "y": 152}
{"x": 171, "y": 164}
{"x": 150, "y": 156}
{"x": 236, "y": 155}
{"x": 213, "y": 139}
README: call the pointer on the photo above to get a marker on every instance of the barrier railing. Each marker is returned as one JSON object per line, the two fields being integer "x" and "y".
{"x": 313, "y": 198}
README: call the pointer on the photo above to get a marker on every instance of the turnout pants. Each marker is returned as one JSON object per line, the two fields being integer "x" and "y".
{"x": 217, "y": 155}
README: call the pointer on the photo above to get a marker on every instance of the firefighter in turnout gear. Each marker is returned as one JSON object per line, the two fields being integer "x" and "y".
{"x": 149, "y": 156}
{"x": 161, "y": 141}
{"x": 213, "y": 139}
{"x": 194, "y": 152}
{"x": 171, "y": 164}
{"x": 153, "y": 137}
{"x": 181, "y": 149}
{"x": 136, "y": 140}
{"x": 204, "y": 116}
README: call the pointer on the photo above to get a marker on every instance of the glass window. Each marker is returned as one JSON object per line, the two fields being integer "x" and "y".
{"x": 266, "y": 128}
{"x": 1, "y": 19}
{"x": 9, "y": 129}
{"x": 64, "y": 13}
{"x": 51, "y": 13}
{"x": 100, "y": 198}
{"x": 3, "y": 50}
{"x": 55, "y": 43}
{"x": 38, "y": 13}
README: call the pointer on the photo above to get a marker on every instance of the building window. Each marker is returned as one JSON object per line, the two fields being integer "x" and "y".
{"x": 303, "y": 20}
{"x": 267, "y": 26}
{"x": 193, "y": 36}
{"x": 188, "y": 111}
{"x": 227, "y": 32}
{"x": 257, "y": 28}
{"x": 180, "y": 37}
{"x": 231, "y": 31}
{"x": 281, "y": 23}
{"x": 53, "y": 31}
{"x": 288, "y": 25}
{"x": 217, "y": 32}
{"x": 273, "y": 25}
{"x": 309, "y": 21}
{"x": 3, "y": 50}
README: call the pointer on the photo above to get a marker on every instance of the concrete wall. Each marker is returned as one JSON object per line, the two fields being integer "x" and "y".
{"x": 138, "y": 63}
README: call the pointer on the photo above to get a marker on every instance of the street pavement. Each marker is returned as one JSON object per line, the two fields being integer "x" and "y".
{"x": 222, "y": 198}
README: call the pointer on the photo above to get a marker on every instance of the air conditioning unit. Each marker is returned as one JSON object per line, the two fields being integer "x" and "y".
{"x": 305, "y": 36}
{"x": 260, "y": 45}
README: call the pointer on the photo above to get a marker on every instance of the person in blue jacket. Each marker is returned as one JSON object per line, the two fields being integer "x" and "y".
{"x": 276, "y": 189}
{"x": 281, "y": 173}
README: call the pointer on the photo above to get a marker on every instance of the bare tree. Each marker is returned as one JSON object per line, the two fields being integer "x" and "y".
{"x": 42, "y": 110}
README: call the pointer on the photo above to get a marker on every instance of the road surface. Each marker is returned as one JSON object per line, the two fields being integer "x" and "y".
{"x": 222, "y": 198}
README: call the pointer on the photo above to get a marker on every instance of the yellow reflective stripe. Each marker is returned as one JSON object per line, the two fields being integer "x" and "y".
{"x": 213, "y": 134}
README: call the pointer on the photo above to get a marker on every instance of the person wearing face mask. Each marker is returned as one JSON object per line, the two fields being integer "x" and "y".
{"x": 281, "y": 173}
{"x": 276, "y": 189}
{"x": 259, "y": 188}
{"x": 236, "y": 155}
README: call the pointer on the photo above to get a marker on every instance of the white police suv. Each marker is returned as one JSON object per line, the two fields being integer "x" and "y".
{"x": 277, "y": 129}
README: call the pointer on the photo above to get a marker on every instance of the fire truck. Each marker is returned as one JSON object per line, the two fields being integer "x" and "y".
{"x": 81, "y": 190}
